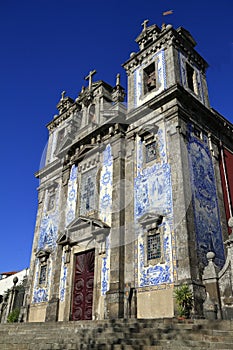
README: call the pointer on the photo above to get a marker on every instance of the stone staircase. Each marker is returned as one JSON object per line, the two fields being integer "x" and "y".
{"x": 141, "y": 334}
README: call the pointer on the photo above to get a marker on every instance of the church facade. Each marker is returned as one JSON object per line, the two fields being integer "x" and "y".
{"x": 132, "y": 197}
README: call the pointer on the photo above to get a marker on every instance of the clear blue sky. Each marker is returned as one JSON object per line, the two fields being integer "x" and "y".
{"x": 48, "y": 46}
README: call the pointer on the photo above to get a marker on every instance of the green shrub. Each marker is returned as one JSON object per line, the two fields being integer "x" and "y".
{"x": 184, "y": 300}
{"x": 13, "y": 316}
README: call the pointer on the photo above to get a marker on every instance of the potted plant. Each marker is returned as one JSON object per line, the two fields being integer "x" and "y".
{"x": 184, "y": 300}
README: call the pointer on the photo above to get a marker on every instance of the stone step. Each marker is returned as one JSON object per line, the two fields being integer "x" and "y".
{"x": 117, "y": 335}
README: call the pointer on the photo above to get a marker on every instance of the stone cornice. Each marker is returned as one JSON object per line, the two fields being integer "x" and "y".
{"x": 179, "y": 42}
{"x": 48, "y": 169}
{"x": 137, "y": 58}
{"x": 185, "y": 106}
{"x": 58, "y": 119}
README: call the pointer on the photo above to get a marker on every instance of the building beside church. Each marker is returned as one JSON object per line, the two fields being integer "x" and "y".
{"x": 133, "y": 195}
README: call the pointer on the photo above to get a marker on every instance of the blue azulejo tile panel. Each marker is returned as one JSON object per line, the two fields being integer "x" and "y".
{"x": 49, "y": 223}
{"x": 204, "y": 198}
{"x": 105, "y": 195}
{"x": 105, "y": 211}
{"x": 41, "y": 293}
{"x": 47, "y": 240}
{"x": 70, "y": 216}
{"x": 153, "y": 194}
{"x": 153, "y": 190}
{"x": 71, "y": 196}
{"x": 160, "y": 273}
{"x": 105, "y": 269}
{"x": 62, "y": 288}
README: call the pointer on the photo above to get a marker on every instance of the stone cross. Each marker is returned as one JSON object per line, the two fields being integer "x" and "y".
{"x": 145, "y": 23}
{"x": 118, "y": 79}
{"x": 89, "y": 77}
{"x": 63, "y": 95}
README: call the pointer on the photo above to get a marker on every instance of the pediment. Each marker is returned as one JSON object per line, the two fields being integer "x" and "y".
{"x": 64, "y": 145}
{"x": 87, "y": 229}
{"x": 151, "y": 219}
{"x": 85, "y": 221}
{"x": 43, "y": 254}
{"x": 84, "y": 150}
{"x": 63, "y": 238}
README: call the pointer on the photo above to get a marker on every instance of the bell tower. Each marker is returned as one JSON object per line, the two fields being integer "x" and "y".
{"x": 177, "y": 176}
{"x": 166, "y": 57}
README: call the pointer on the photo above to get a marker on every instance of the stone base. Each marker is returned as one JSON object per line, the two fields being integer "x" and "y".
{"x": 52, "y": 310}
{"x": 115, "y": 304}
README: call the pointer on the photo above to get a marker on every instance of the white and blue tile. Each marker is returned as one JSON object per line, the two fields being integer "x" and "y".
{"x": 47, "y": 240}
{"x": 105, "y": 210}
{"x": 204, "y": 199}
{"x": 105, "y": 195}
{"x": 62, "y": 288}
{"x": 41, "y": 294}
{"x": 71, "y": 196}
{"x": 153, "y": 193}
{"x": 105, "y": 269}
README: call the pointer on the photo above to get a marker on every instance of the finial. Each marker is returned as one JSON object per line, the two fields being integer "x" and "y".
{"x": 145, "y": 23}
{"x": 83, "y": 89}
{"x": 163, "y": 26}
{"x": 89, "y": 77}
{"x": 118, "y": 79}
{"x": 63, "y": 95}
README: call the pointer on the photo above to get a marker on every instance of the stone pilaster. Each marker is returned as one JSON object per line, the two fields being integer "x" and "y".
{"x": 115, "y": 295}
{"x": 130, "y": 236}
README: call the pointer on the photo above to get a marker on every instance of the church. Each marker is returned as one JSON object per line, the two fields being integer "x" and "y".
{"x": 134, "y": 196}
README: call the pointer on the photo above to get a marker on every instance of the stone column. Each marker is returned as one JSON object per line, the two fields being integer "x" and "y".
{"x": 115, "y": 295}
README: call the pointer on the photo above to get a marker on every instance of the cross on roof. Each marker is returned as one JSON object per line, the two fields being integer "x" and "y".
{"x": 89, "y": 77}
{"x": 63, "y": 95}
{"x": 145, "y": 23}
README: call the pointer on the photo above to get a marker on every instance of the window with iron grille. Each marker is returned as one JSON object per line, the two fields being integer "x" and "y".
{"x": 153, "y": 246}
{"x": 43, "y": 273}
{"x": 151, "y": 151}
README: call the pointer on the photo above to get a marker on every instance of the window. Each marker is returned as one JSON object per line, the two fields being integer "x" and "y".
{"x": 153, "y": 246}
{"x": 150, "y": 143}
{"x": 92, "y": 115}
{"x": 190, "y": 77}
{"x": 149, "y": 78}
{"x": 51, "y": 202}
{"x": 60, "y": 136}
{"x": 151, "y": 151}
{"x": 43, "y": 256}
{"x": 43, "y": 274}
{"x": 197, "y": 132}
{"x": 153, "y": 238}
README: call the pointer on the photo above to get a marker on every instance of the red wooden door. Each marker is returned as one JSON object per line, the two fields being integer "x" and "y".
{"x": 83, "y": 286}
